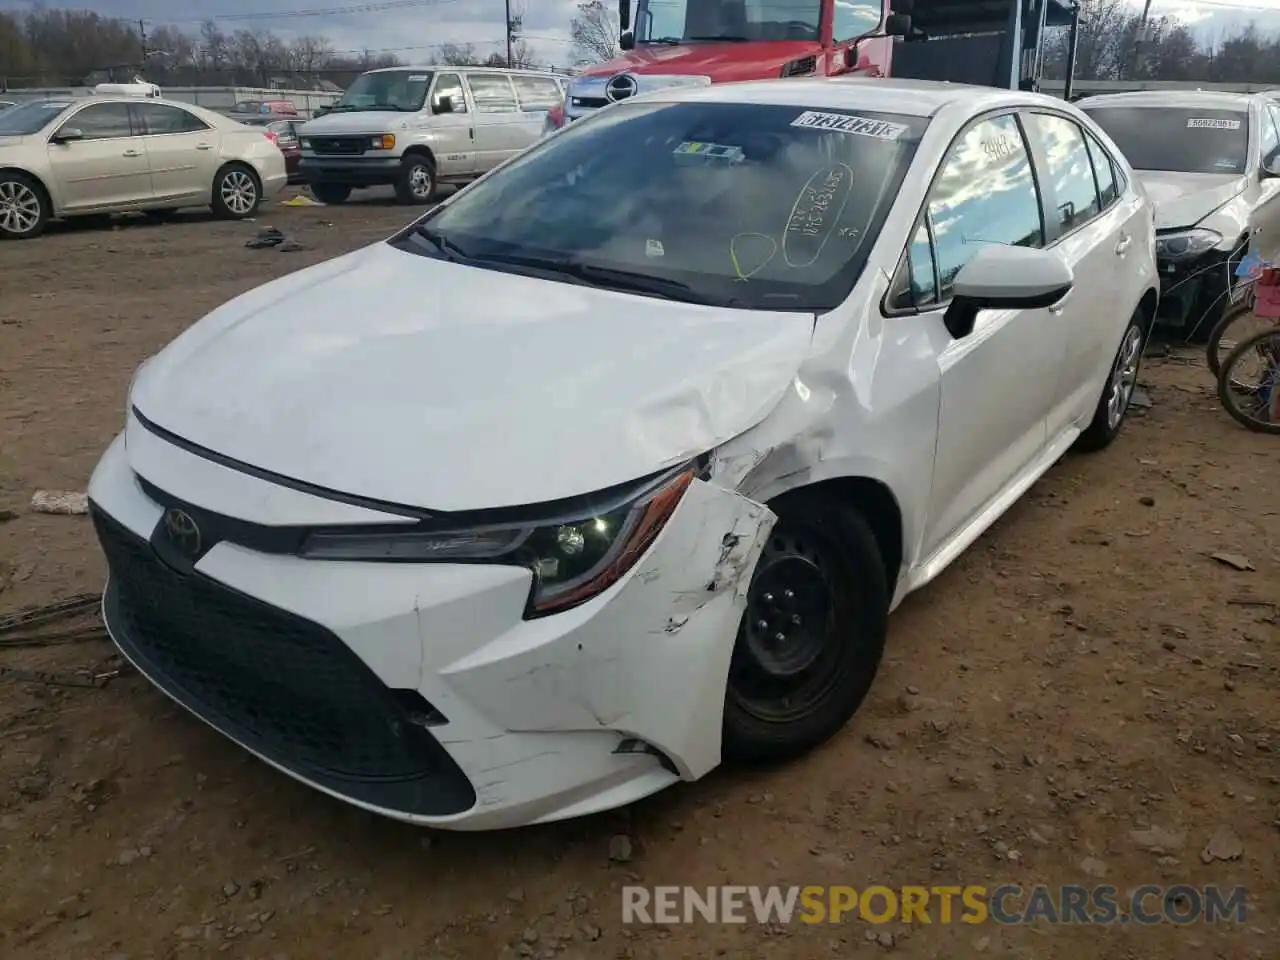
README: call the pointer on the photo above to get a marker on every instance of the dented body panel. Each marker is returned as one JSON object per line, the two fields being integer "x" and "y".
{"x": 536, "y": 709}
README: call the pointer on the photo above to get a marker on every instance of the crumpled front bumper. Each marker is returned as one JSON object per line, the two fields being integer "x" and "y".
{"x": 417, "y": 691}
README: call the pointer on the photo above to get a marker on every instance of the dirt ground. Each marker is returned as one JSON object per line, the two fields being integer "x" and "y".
{"x": 1087, "y": 696}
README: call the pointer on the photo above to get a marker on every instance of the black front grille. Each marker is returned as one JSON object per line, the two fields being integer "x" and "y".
{"x": 338, "y": 146}
{"x": 284, "y": 687}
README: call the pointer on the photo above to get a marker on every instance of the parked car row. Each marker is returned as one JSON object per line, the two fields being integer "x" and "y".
{"x": 652, "y": 429}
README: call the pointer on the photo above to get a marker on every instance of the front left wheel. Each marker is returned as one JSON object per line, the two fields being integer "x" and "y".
{"x": 416, "y": 181}
{"x": 811, "y": 638}
{"x": 236, "y": 192}
{"x": 1122, "y": 381}
{"x": 23, "y": 208}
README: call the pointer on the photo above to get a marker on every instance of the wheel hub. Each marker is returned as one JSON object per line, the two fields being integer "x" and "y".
{"x": 787, "y": 615}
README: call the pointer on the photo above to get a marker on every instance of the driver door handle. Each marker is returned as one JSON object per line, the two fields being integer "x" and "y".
{"x": 204, "y": 146}
{"x": 131, "y": 153}
{"x": 1123, "y": 245}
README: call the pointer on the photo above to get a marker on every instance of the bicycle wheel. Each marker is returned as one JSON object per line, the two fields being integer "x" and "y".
{"x": 1236, "y": 325}
{"x": 1249, "y": 384}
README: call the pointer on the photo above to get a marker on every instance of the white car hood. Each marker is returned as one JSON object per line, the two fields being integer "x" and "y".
{"x": 426, "y": 383}
{"x": 358, "y": 121}
{"x": 1184, "y": 199}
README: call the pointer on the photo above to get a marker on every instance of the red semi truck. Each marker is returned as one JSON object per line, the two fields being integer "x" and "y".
{"x": 695, "y": 42}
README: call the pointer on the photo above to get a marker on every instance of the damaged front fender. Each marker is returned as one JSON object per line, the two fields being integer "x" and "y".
{"x": 649, "y": 659}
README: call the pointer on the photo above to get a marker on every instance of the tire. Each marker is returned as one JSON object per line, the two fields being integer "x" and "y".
{"x": 24, "y": 207}
{"x": 1117, "y": 392}
{"x": 416, "y": 182}
{"x": 1226, "y": 392}
{"x": 330, "y": 193}
{"x": 1213, "y": 345}
{"x": 783, "y": 700}
{"x": 237, "y": 193}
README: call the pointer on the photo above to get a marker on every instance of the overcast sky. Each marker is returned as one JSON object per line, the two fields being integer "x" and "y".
{"x": 414, "y": 29}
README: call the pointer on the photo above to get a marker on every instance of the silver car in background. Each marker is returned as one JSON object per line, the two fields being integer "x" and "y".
{"x": 115, "y": 154}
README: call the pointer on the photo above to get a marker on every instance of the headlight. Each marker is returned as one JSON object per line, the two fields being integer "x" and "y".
{"x": 573, "y": 557}
{"x": 1186, "y": 244}
{"x": 386, "y": 141}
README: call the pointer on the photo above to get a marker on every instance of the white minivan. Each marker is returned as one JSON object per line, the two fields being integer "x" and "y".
{"x": 415, "y": 128}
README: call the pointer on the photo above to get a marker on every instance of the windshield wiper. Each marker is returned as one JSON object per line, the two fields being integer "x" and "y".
{"x": 444, "y": 246}
{"x": 667, "y": 41}
{"x": 608, "y": 278}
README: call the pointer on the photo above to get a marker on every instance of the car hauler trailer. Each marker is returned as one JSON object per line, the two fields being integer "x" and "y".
{"x": 695, "y": 42}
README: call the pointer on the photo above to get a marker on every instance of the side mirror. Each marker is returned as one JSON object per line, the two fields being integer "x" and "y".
{"x": 627, "y": 41}
{"x": 1271, "y": 165}
{"x": 1006, "y": 278}
{"x": 68, "y": 135}
{"x": 624, "y": 15}
{"x": 444, "y": 104}
{"x": 897, "y": 24}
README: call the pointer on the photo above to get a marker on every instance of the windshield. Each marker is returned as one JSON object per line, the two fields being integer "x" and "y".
{"x": 31, "y": 117}
{"x": 659, "y": 21}
{"x": 1178, "y": 139}
{"x": 757, "y": 206}
{"x": 403, "y": 90}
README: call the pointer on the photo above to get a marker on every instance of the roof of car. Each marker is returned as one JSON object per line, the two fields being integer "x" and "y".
{"x": 916, "y": 98}
{"x": 467, "y": 68}
{"x": 1208, "y": 99}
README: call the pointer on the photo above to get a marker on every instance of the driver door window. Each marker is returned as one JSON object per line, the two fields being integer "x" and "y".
{"x": 985, "y": 193}
{"x": 101, "y": 121}
{"x": 853, "y": 19}
{"x": 448, "y": 85}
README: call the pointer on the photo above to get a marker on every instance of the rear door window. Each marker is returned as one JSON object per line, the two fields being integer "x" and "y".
{"x": 493, "y": 93}
{"x": 1104, "y": 172}
{"x": 1070, "y": 170}
{"x": 537, "y": 94}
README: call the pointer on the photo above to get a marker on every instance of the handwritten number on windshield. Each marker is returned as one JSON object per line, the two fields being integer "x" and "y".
{"x": 814, "y": 216}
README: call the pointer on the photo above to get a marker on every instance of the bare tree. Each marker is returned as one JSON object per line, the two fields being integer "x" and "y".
{"x": 595, "y": 32}
{"x": 216, "y": 47}
{"x": 457, "y": 54}
{"x": 309, "y": 54}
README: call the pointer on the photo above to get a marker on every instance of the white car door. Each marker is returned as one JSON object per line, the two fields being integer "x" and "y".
{"x": 1095, "y": 243}
{"x": 997, "y": 379}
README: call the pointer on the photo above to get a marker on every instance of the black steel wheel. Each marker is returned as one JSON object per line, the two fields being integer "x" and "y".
{"x": 812, "y": 635}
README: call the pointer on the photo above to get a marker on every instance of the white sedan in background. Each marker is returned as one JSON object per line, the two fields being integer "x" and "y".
{"x": 1210, "y": 162}
{"x": 119, "y": 154}
{"x": 612, "y": 466}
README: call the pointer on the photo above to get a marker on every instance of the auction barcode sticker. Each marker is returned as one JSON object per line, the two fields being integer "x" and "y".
{"x": 1205, "y": 123}
{"x": 844, "y": 123}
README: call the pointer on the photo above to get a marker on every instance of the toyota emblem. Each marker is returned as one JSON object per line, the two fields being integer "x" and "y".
{"x": 620, "y": 87}
{"x": 182, "y": 531}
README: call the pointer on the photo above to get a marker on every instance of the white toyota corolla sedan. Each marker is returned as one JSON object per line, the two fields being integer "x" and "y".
{"x": 612, "y": 467}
